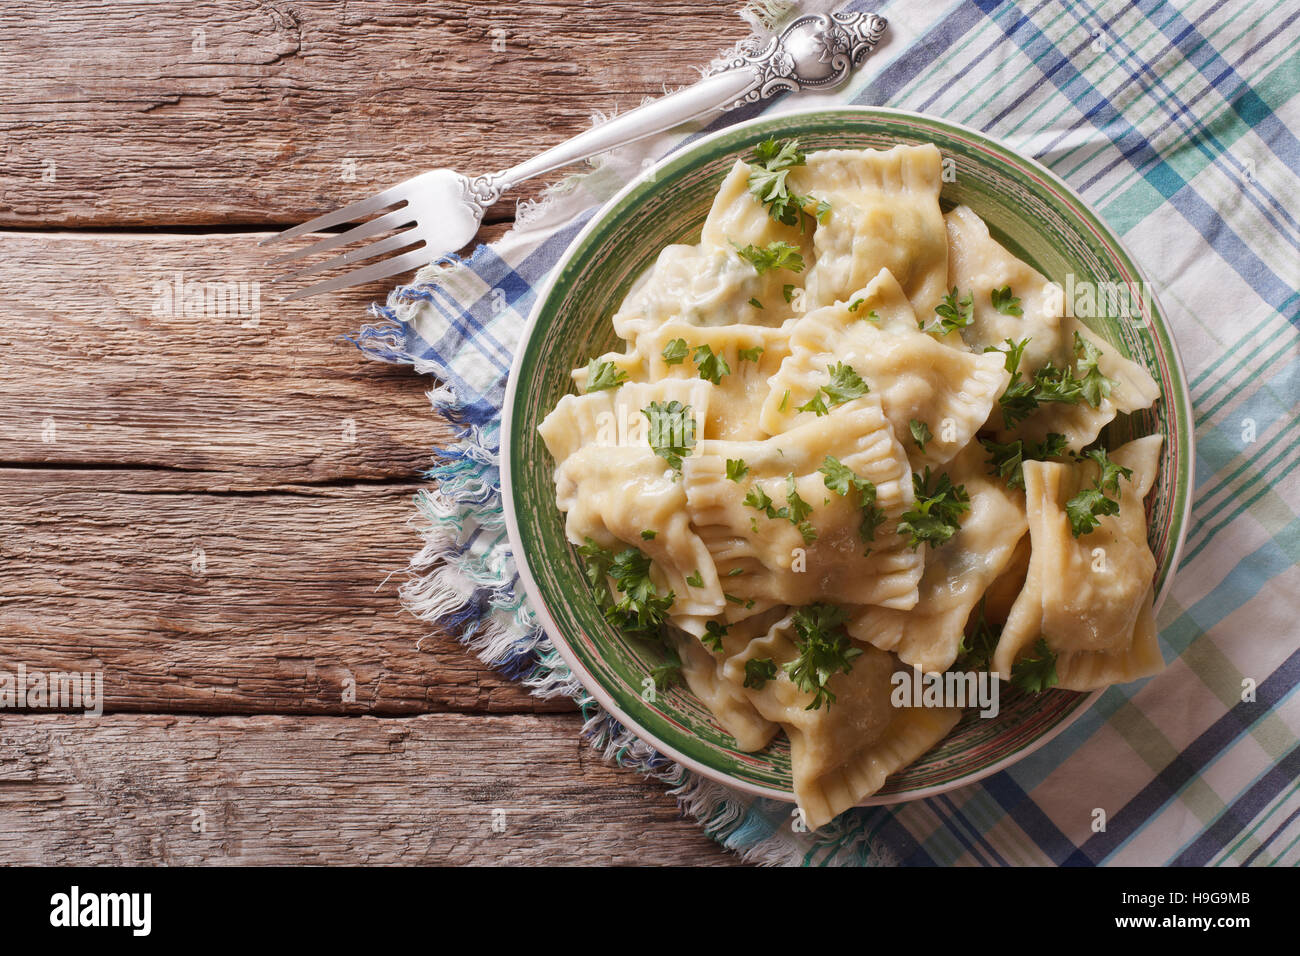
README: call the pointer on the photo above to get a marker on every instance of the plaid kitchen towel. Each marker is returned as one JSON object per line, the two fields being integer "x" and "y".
{"x": 1178, "y": 122}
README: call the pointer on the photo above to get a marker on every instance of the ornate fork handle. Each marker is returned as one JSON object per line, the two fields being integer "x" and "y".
{"x": 817, "y": 51}
{"x": 814, "y": 52}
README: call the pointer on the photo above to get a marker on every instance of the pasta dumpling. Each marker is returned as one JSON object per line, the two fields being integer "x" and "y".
{"x": 884, "y": 215}
{"x": 844, "y": 751}
{"x": 1088, "y": 597}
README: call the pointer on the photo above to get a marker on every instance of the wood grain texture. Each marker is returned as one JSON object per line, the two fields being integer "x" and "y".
{"x": 285, "y": 790}
{"x": 134, "y": 112}
{"x": 265, "y": 602}
{"x": 104, "y": 365}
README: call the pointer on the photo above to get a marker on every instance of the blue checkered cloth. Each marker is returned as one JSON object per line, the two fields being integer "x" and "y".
{"x": 1178, "y": 123}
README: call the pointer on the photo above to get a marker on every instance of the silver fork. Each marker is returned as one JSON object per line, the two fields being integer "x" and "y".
{"x": 444, "y": 209}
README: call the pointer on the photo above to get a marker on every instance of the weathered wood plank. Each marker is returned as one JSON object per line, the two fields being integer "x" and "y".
{"x": 282, "y": 790}
{"x": 264, "y": 602}
{"x": 102, "y": 365}
{"x": 132, "y": 112}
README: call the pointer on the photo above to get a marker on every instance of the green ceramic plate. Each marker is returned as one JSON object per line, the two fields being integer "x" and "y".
{"x": 1027, "y": 208}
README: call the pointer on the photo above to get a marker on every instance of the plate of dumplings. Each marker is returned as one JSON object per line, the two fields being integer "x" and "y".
{"x": 847, "y": 457}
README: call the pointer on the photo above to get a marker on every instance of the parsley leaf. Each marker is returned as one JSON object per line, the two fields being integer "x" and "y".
{"x": 669, "y": 672}
{"x": 672, "y": 431}
{"x": 675, "y": 352}
{"x": 1035, "y": 674}
{"x": 712, "y": 367}
{"x": 845, "y": 385}
{"x": 839, "y": 478}
{"x": 1086, "y": 508}
{"x": 798, "y": 510}
{"x": 1092, "y": 385}
{"x": 975, "y": 653}
{"x": 750, "y": 355}
{"x": 736, "y": 468}
{"x": 1007, "y": 458}
{"x": 816, "y": 405}
{"x": 853, "y": 306}
{"x": 770, "y": 164}
{"x": 694, "y": 579}
{"x": 785, "y": 400}
{"x": 758, "y": 499}
{"x": 648, "y": 535}
{"x": 775, "y": 255}
{"x": 713, "y": 635}
{"x": 1110, "y": 472}
{"x": 755, "y": 303}
{"x": 824, "y": 650}
{"x": 758, "y": 671}
{"x": 641, "y": 610}
{"x": 953, "y": 313}
{"x": 603, "y": 375}
{"x": 936, "y": 513}
{"x": 1005, "y": 302}
{"x": 920, "y": 433}
{"x": 787, "y": 292}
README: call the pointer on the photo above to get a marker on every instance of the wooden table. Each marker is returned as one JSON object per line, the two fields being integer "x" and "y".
{"x": 207, "y": 508}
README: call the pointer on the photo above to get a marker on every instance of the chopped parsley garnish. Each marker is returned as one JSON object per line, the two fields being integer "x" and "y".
{"x": 1005, "y": 302}
{"x": 872, "y": 316}
{"x": 694, "y": 579}
{"x": 953, "y": 313}
{"x": 641, "y": 610}
{"x": 839, "y": 478}
{"x": 920, "y": 433}
{"x": 1037, "y": 673}
{"x": 648, "y": 535}
{"x": 816, "y": 405}
{"x": 672, "y": 431}
{"x": 844, "y": 386}
{"x": 824, "y": 650}
{"x": 669, "y": 672}
{"x": 736, "y": 468}
{"x": 936, "y": 513}
{"x": 758, "y": 671}
{"x": 713, "y": 635}
{"x": 755, "y": 303}
{"x": 975, "y": 653}
{"x": 775, "y": 255}
{"x": 770, "y": 164}
{"x": 787, "y": 292}
{"x": 798, "y": 511}
{"x": 675, "y": 352}
{"x": 712, "y": 367}
{"x": 1007, "y": 458}
{"x": 1023, "y": 396}
{"x": 1086, "y": 508}
{"x": 853, "y": 306}
{"x": 750, "y": 355}
{"x": 1110, "y": 472}
{"x": 785, "y": 400}
{"x": 603, "y": 375}
{"x": 734, "y": 571}
{"x": 758, "y": 499}
{"x": 1092, "y": 384}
